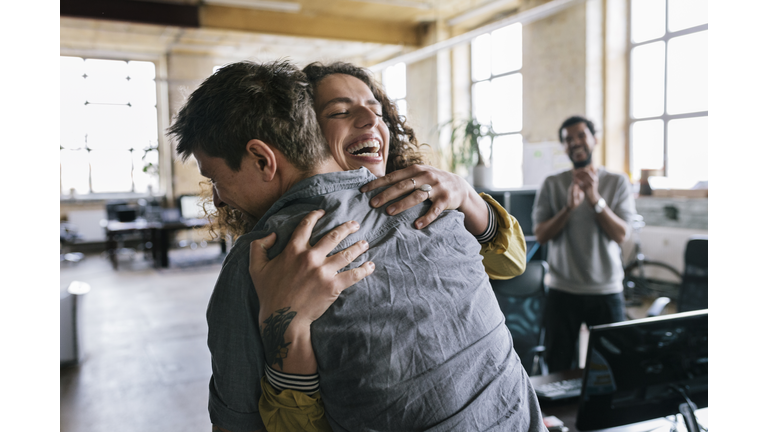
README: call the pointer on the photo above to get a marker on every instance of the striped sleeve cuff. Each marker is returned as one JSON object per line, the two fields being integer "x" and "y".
{"x": 308, "y": 384}
{"x": 490, "y": 232}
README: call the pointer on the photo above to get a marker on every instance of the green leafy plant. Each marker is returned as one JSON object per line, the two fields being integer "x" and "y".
{"x": 464, "y": 141}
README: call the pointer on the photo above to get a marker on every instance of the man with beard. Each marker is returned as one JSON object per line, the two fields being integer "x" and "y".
{"x": 584, "y": 214}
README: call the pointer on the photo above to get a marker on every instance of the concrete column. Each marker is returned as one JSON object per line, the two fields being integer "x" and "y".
{"x": 185, "y": 73}
{"x": 554, "y": 72}
{"x": 428, "y": 88}
{"x": 563, "y": 73}
{"x": 616, "y": 124}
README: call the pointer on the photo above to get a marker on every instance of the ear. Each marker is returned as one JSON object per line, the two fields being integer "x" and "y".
{"x": 262, "y": 157}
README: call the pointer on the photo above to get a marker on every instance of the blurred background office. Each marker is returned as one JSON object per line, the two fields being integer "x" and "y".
{"x": 638, "y": 68}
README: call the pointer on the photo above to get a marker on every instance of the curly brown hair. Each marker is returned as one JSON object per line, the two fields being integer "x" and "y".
{"x": 403, "y": 145}
{"x": 225, "y": 220}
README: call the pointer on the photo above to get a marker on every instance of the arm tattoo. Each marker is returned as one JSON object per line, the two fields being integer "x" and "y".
{"x": 273, "y": 336}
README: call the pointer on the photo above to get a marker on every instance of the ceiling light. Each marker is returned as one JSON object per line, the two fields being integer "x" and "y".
{"x": 277, "y": 6}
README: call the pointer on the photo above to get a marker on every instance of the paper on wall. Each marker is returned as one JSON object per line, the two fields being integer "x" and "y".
{"x": 541, "y": 160}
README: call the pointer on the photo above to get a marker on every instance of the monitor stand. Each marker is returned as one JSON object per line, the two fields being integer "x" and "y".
{"x": 687, "y": 411}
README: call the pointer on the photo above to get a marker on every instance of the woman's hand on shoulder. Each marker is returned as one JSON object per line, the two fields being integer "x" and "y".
{"x": 303, "y": 277}
{"x": 448, "y": 191}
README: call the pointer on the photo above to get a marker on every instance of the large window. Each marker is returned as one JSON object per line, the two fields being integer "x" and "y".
{"x": 668, "y": 89}
{"x": 393, "y": 79}
{"x": 497, "y": 100}
{"x": 109, "y": 130}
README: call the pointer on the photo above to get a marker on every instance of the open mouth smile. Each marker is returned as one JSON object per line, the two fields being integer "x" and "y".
{"x": 366, "y": 148}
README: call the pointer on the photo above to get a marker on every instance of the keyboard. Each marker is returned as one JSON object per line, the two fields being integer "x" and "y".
{"x": 559, "y": 389}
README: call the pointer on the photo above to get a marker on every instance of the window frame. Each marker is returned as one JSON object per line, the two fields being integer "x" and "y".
{"x": 405, "y": 79}
{"x": 665, "y": 117}
{"x": 491, "y": 77}
{"x": 165, "y": 154}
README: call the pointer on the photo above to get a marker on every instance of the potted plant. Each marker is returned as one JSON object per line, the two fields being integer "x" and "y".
{"x": 464, "y": 150}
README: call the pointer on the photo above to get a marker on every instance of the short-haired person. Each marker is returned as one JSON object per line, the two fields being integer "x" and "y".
{"x": 419, "y": 344}
{"x": 395, "y": 158}
{"x": 584, "y": 214}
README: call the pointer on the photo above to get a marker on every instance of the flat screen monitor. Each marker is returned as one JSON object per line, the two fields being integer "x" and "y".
{"x": 191, "y": 207}
{"x": 644, "y": 369}
{"x": 519, "y": 203}
{"x": 521, "y": 207}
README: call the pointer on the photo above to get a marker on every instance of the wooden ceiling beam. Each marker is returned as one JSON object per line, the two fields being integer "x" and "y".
{"x": 144, "y": 12}
{"x": 326, "y": 27}
{"x": 245, "y": 20}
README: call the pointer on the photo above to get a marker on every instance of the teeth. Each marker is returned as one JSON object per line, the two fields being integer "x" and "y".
{"x": 373, "y": 144}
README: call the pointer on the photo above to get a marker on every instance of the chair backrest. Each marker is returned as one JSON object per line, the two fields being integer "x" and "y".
{"x": 522, "y": 300}
{"x": 694, "y": 289}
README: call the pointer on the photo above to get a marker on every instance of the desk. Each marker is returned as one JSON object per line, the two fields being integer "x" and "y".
{"x": 564, "y": 409}
{"x": 567, "y": 409}
{"x": 159, "y": 233}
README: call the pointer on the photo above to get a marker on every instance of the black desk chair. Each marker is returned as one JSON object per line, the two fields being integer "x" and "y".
{"x": 522, "y": 300}
{"x": 693, "y": 290}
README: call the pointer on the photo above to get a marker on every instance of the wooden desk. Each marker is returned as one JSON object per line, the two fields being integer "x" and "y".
{"x": 162, "y": 234}
{"x": 159, "y": 233}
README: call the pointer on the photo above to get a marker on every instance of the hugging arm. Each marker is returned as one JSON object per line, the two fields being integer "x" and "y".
{"x": 295, "y": 288}
{"x": 503, "y": 252}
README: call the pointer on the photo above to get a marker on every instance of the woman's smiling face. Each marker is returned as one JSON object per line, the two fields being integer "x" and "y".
{"x": 350, "y": 118}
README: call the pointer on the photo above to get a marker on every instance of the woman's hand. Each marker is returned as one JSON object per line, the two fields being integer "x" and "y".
{"x": 303, "y": 277}
{"x": 297, "y": 286}
{"x": 449, "y": 191}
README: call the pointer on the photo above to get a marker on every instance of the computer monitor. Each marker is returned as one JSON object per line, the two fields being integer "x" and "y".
{"x": 191, "y": 207}
{"x": 644, "y": 369}
{"x": 519, "y": 203}
{"x": 520, "y": 206}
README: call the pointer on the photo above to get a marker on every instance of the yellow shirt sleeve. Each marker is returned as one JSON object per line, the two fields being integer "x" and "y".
{"x": 504, "y": 257}
{"x": 291, "y": 410}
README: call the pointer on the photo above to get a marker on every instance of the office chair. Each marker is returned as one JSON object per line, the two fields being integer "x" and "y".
{"x": 693, "y": 290}
{"x": 522, "y": 300}
{"x": 68, "y": 235}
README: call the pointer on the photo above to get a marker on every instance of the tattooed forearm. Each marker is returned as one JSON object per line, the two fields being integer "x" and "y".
{"x": 273, "y": 335}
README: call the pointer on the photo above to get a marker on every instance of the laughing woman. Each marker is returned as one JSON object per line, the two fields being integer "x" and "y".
{"x": 363, "y": 129}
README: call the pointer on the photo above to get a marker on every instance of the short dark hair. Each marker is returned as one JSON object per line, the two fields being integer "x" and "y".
{"x": 570, "y": 121}
{"x": 403, "y": 146}
{"x": 246, "y": 100}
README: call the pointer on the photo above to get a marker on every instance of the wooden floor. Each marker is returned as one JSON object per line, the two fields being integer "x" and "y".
{"x": 146, "y": 364}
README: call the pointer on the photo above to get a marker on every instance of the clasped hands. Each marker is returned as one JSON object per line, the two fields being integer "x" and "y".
{"x": 584, "y": 185}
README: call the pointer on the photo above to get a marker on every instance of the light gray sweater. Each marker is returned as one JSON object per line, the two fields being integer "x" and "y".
{"x": 582, "y": 258}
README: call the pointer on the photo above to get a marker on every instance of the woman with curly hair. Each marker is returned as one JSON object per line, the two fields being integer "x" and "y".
{"x": 371, "y": 134}
{"x": 363, "y": 129}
